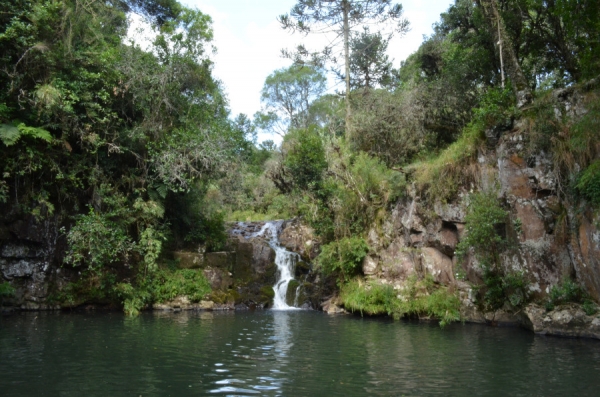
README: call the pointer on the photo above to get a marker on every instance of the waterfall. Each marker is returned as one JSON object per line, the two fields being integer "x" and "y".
{"x": 284, "y": 260}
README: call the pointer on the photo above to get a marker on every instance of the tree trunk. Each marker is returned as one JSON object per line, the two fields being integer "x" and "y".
{"x": 346, "y": 6}
{"x": 513, "y": 68}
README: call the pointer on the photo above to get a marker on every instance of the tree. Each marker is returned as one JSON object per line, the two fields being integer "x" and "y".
{"x": 506, "y": 52}
{"x": 369, "y": 64}
{"x": 340, "y": 17}
{"x": 287, "y": 95}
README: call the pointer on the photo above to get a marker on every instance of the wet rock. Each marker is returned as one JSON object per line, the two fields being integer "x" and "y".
{"x": 183, "y": 303}
{"x": 566, "y": 320}
{"x": 263, "y": 256}
{"x": 299, "y": 238}
{"x": 502, "y": 318}
{"x": 332, "y": 306}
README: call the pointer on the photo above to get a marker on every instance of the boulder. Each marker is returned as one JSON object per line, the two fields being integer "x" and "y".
{"x": 438, "y": 265}
{"x": 565, "y": 320}
{"x": 221, "y": 260}
{"x": 219, "y": 279}
{"x": 370, "y": 266}
{"x": 299, "y": 238}
{"x": 188, "y": 260}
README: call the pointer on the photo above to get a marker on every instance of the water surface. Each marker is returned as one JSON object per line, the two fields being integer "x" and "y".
{"x": 283, "y": 353}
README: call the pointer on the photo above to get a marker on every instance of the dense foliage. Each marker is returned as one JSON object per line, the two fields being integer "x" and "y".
{"x": 111, "y": 137}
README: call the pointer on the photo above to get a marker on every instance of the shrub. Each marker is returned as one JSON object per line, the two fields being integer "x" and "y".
{"x": 161, "y": 286}
{"x": 588, "y": 183}
{"x": 418, "y": 298}
{"x": 305, "y": 158}
{"x": 389, "y": 125}
{"x": 166, "y": 285}
{"x": 442, "y": 176}
{"x": 483, "y": 219}
{"x": 569, "y": 291}
{"x": 358, "y": 188}
{"x": 93, "y": 286}
{"x": 485, "y": 236}
{"x": 370, "y": 299}
{"x": 343, "y": 257}
{"x": 6, "y": 291}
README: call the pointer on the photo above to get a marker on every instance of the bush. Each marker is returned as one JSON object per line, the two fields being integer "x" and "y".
{"x": 483, "y": 220}
{"x": 504, "y": 288}
{"x": 372, "y": 299}
{"x": 6, "y": 291}
{"x": 166, "y": 285}
{"x": 305, "y": 158}
{"x": 567, "y": 291}
{"x": 485, "y": 223}
{"x": 161, "y": 286}
{"x": 588, "y": 183}
{"x": 389, "y": 125}
{"x": 358, "y": 189}
{"x": 442, "y": 176}
{"x": 93, "y": 286}
{"x": 418, "y": 298}
{"x": 343, "y": 257}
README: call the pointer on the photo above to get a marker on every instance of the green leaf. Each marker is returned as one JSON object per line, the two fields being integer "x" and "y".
{"x": 34, "y": 132}
{"x": 9, "y": 134}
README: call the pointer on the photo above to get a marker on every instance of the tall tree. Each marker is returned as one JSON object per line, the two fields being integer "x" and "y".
{"x": 287, "y": 95}
{"x": 506, "y": 51}
{"x": 369, "y": 64}
{"x": 340, "y": 17}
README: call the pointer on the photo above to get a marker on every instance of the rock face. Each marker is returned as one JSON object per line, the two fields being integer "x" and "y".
{"x": 301, "y": 239}
{"x": 30, "y": 258}
{"x": 550, "y": 239}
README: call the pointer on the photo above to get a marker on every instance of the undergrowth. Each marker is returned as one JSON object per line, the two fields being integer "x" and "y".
{"x": 442, "y": 176}
{"x": 343, "y": 257}
{"x": 567, "y": 291}
{"x": 6, "y": 291}
{"x": 418, "y": 298}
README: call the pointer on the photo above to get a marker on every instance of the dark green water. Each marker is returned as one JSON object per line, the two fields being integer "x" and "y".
{"x": 283, "y": 354}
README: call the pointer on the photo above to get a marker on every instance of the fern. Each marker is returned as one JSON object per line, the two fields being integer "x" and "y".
{"x": 10, "y": 134}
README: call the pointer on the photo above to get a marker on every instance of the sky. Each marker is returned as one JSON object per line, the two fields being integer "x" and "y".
{"x": 249, "y": 40}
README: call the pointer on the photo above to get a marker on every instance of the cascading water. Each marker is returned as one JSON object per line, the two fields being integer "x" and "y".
{"x": 284, "y": 260}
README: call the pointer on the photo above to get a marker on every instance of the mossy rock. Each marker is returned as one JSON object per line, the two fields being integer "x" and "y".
{"x": 266, "y": 294}
{"x": 302, "y": 268}
{"x": 290, "y": 295}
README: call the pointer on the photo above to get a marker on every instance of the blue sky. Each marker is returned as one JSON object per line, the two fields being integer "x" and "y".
{"x": 249, "y": 39}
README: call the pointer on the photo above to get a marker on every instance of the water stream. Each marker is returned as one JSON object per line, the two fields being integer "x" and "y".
{"x": 284, "y": 260}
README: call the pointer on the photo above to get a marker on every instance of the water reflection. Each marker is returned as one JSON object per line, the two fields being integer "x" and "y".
{"x": 261, "y": 352}
{"x": 282, "y": 353}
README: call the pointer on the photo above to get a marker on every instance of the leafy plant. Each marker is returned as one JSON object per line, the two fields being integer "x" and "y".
{"x": 486, "y": 239}
{"x": 588, "y": 183}
{"x": 417, "y": 298}
{"x": 6, "y": 291}
{"x": 343, "y": 257}
{"x": 568, "y": 291}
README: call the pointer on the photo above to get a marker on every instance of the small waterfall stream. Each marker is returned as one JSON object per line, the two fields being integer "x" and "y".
{"x": 284, "y": 260}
